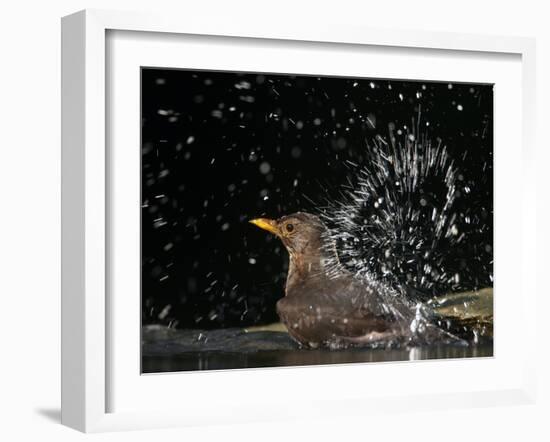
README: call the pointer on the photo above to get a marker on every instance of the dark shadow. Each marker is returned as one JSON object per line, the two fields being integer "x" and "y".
{"x": 51, "y": 414}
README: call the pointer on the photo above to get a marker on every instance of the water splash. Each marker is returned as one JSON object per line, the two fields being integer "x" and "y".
{"x": 397, "y": 222}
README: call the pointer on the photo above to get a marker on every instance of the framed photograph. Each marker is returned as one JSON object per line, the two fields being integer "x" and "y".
{"x": 253, "y": 211}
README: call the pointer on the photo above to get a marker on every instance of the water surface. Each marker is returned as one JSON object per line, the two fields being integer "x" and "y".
{"x": 169, "y": 350}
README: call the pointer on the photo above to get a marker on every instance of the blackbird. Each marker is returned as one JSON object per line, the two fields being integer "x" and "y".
{"x": 325, "y": 305}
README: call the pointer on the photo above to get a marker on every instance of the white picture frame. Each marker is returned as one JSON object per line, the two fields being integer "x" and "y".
{"x": 87, "y": 356}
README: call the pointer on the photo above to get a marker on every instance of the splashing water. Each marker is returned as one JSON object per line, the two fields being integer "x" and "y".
{"x": 397, "y": 221}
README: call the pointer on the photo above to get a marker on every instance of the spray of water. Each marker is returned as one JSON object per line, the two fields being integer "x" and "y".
{"x": 396, "y": 223}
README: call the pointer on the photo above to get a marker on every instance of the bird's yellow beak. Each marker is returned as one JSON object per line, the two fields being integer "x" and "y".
{"x": 267, "y": 224}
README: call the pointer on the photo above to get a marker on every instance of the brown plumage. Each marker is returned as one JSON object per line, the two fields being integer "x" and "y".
{"x": 325, "y": 305}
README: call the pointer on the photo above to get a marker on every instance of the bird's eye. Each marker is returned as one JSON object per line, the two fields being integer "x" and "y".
{"x": 289, "y": 227}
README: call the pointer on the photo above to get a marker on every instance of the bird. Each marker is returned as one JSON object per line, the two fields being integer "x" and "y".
{"x": 325, "y": 305}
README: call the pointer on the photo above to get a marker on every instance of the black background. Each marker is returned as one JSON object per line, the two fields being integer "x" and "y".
{"x": 221, "y": 148}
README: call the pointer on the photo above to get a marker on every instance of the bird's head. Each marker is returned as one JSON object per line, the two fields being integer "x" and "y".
{"x": 301, "y": 233}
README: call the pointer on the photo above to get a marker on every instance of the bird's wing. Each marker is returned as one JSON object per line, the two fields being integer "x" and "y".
{"x": 361, "y": 306}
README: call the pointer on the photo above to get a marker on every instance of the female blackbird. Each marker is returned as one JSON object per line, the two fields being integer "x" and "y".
{"x": 326, "y": 305}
